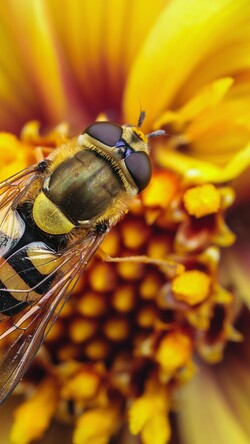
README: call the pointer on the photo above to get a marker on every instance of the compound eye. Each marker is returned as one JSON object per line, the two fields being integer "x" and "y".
{"x": 139, "y": 167}
{"x": 106, "y": 132}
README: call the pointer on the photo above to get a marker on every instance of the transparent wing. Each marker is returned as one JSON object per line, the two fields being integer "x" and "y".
{"x": 21, "y": 340}
{"x": 12, "y": 191}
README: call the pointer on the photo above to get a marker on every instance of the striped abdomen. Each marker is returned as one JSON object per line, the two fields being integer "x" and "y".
{"x": 26, "y": 272}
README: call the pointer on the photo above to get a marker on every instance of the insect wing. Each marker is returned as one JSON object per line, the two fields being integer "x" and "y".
{"x": 11, "y": 192}
{"x": 11, "y": 230}
{"x": 22, "y": 339}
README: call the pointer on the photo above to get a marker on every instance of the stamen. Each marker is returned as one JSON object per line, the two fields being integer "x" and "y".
{"x": 117, "y": 329}
{"x": 92, "y": 304}
{"x": 124, "y": 298}
{"x": 191, "y": 287}
{"x": 174, "y": 351}
{"x": 202, "y": 200}
{"x": 81, "y": 330}
{"x": 82, "y": 386}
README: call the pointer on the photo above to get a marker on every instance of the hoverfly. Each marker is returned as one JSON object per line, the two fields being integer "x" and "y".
{"x": 53, "y": 218}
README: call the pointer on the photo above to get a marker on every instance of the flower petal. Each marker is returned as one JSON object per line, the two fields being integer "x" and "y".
{"x": 237, "y": 262}
{"x": 185, "y": 35}
{"x": 14, "y": 155}
{"x": 216, "y": 403}
{"x": 201, "y": 171}
{"x": 207, "y": 98}
{"x": 232, "y": 58}
{"x": 100, "y": 42}
{"x": 39, "y": 53}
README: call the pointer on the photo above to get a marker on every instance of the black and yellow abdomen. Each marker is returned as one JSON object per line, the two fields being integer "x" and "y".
{"x": 79, "y": 190}
{"x": 22, "y": 278}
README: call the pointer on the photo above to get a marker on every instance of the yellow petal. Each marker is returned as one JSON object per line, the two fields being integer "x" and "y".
{"x": 39, "y": 52}
{"x": 236, "y": 261}
{"x": 220, "y": 131}
{"x": 184, "y": 35}
{"x": 207, "y": 98}
{"x": 16, "y": 95}
{"x": 14, "y": 155}
{"x": 221, "y": 414}
{"x": 100, "y": 41}
{"x": 232, "y": 58}
{"x": 199, "y": 171}
{"x": 32, "y": 417}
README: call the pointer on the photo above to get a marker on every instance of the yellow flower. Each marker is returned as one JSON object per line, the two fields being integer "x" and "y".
{"x": 122, "y": 351}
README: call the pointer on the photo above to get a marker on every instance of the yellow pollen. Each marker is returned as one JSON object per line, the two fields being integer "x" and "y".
{"x": 174, "y": 351}
{"x": 130, "y": 270}
{"x": 134, "y": 234}
{"x": 191, "y": 287}
{"x": 111, "y": 243}
{"x": 81, "y": 329}
{"x": 79, "y": 285}
{"x": 82, "y": 386}
{"x": 117, "y": 329}
{"x": 146, "y": 317}
{"x": 150, "y": 286}
{"x": 124, "y": 298}
{"x": 67, "y": 352}
{"x": 158, "y": 247}
{"x": 97, "y": 349}
{"x": 67, "y": 310}
{"x": 102, "y": 277}
{"x": 202, "y": 200}
{"x": 161, "y": 190}
{"x": 55, "y": 332}
{"x": 92, "y": 304}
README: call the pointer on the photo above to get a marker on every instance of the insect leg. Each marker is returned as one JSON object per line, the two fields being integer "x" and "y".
{"x": 168, "y": 266}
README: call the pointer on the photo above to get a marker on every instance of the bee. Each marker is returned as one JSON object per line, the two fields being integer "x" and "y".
{"x": 53, "y": 217}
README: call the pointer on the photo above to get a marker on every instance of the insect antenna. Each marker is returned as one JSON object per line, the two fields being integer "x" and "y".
{"x": 141, "y": 119}
{"x": 157, "y": 133}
